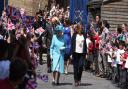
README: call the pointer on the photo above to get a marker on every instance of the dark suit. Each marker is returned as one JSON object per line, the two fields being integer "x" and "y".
{"x": 40, "y": 41}
{"x": 49, "y": 34}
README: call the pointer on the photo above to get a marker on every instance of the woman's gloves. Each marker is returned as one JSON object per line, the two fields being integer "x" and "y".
{"x": 51, "y": 57}
{"x": 62, "y": 48}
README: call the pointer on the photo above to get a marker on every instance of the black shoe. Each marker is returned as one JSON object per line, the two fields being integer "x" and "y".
{"x": 41, "y": 63}
{"x": 93, "y": 73}
{"x": 109, "y": 77}
{"x": 98, "y": 75}
{"x": 76, "y": 84}
{"x": 53, "y": 83}
{"x": 57, "y": 84}
{"x": 49, "y": 70}
{"x": 119, "y": 84}
{"x": 79, "y": 83}
{"x": 103, "y": 76}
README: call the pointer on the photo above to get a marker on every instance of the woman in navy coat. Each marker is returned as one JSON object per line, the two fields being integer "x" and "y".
{"x": 79, "y": 49}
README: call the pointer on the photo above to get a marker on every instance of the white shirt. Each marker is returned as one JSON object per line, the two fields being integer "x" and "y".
{"x": 79, "y": 43}
{"x": 1, "y": 37}
{"x": 119, "y": 52}
{"x": 4, "y": 69}
{"x": 106, "y": 30}
{"x": 109, "y": 56}
{"x": 115, "y": 61}
{"x": 88, "y": 41}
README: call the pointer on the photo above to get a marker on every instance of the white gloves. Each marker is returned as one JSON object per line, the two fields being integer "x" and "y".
{"x": 62, "y": 48}
{"x": 51, "y": 57}
{"x": 71, "y": 57}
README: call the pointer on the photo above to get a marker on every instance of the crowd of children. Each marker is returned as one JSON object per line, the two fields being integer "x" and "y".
{"x": 108, "y": 52}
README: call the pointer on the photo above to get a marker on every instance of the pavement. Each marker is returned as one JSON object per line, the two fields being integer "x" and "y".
{"x": 89, "y": 81}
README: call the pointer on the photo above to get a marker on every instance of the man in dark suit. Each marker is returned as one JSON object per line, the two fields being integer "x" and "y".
{"x": 40, "y": 22}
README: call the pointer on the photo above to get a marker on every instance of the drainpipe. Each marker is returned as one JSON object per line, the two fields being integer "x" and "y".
{"x": 4, "y": 4}
{"x": 101, "y": 9}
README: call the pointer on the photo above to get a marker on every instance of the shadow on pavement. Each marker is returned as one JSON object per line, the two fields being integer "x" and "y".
{"x": 61, "y": 84}
{"x": 70, "y": 73}
{"x": 86, "y": 84}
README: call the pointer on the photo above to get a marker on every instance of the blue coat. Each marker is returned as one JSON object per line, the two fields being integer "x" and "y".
{"x": 57, "y": 55}
{"x": 67, "y": 37}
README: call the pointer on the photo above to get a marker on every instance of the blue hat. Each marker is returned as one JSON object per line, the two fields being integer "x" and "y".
{"x": 59, "y": 28}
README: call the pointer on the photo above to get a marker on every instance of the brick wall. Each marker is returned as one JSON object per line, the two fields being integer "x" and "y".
{"x": 31, "y": 6}
{"x": 116, "y": 13}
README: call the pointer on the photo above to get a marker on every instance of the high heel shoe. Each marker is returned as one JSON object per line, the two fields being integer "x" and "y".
{"x": 76, "y": 84}
{"x": 53, "y": 83}
{"x": 79, "y": 83}
{"x": 66, "y": 72}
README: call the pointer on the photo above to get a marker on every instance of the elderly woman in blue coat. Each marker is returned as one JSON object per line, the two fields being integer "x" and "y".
{"x": 57, "y": 54}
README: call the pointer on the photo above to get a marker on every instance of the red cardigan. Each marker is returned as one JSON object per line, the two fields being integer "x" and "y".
{"x": 97, "y": 40}
{"x": 125, "y": 57}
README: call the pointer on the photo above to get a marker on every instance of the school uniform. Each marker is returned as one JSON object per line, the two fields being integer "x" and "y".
{"x": 114, "y": 67}
{"x": 124, "y": 79}
{"x": 119, "y": 64}
{"x": 109, "y": 57}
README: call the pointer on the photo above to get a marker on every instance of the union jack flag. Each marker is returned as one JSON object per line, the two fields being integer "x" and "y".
{"x": 43, "y": 77}
{"x": 31, "y": 84}
{"x": 26, "y": 21}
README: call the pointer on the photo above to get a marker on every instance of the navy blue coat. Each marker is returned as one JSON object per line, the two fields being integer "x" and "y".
{"x": 73, "y": 44}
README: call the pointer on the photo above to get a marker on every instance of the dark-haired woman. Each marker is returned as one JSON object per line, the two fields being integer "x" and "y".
{"x": 78, "y": 52}
{"x": 104, "y": 40}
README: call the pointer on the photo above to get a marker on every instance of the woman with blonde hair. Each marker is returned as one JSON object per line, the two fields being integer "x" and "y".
{"x": 79, "y": 49}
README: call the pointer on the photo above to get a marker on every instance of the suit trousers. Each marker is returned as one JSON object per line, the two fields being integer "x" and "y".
{"x": 48, "y": 59}
{"x": 78, "y": 62}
